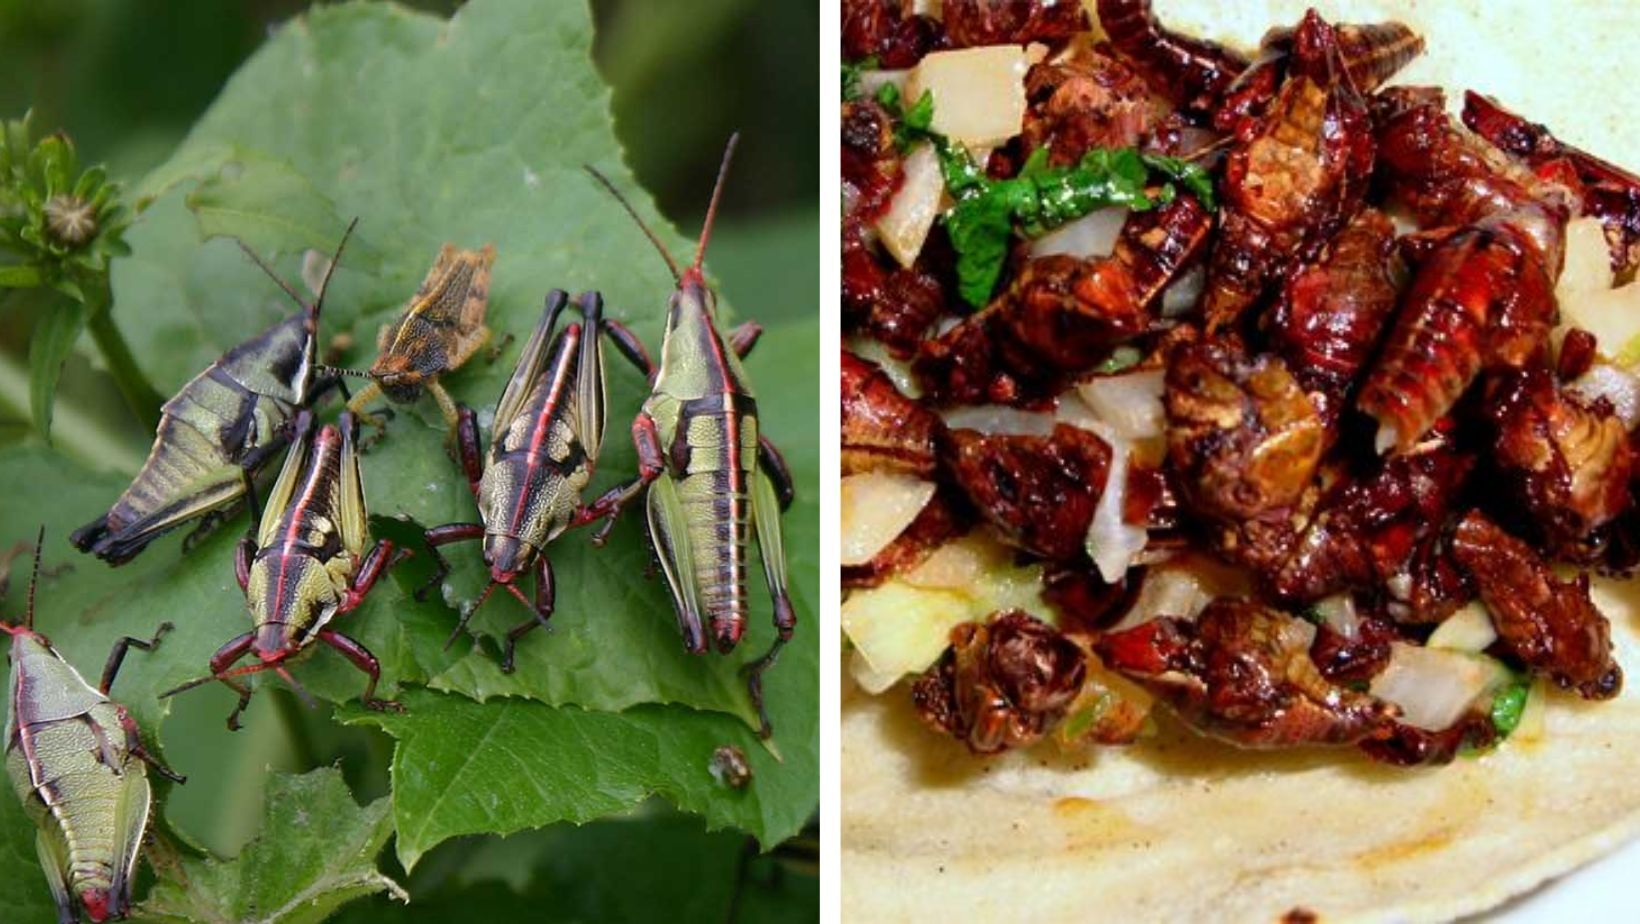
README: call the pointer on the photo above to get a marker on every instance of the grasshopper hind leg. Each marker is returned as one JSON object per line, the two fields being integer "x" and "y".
{"x": 771, "y": 543}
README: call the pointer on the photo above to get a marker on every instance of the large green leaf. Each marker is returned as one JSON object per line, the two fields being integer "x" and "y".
{"x": 472, "y": 130}
{"x": 316, "y": 851}
{"x": 626, "y": 869}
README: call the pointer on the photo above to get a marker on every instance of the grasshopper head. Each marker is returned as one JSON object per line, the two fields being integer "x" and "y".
{"x": 507, "y": 556}
{"x": 276, "y": 641}
{"x": 398, "y": 380}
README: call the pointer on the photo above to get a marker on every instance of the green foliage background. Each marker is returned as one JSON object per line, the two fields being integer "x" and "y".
{"x": 472, "y": 132}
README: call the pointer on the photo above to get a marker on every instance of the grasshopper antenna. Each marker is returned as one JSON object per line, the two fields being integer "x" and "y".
{"x": 263, "y": 265}
{"x": 34, "y": 576}
{"x": 711, "y": 209}
{"x": 229, "y": 674}
{"x": 324, "y": 284}
{"x": 659, "y": 247}
{"x": 301, "y": 691}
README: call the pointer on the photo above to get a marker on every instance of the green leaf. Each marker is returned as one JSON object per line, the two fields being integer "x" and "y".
{"x": 513, "y": 764}
{"x": 28, "y": 897}
{"x": 471, "y": 130}
{"x": 264, "y": 202}
{"x": 620, "y": 870}
{"x": 53, "y": 340}
{"x": 20, "y": 276}
{"x": 316, "y": 851}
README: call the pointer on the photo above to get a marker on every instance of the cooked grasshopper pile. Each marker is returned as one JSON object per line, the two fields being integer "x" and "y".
{"x": 1245, "y": 383}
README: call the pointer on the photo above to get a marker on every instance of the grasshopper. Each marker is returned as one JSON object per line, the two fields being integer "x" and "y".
{"x": 441, "y": 327}
{"x": 699, "y": 453}
{"x": 308, "y": 560}
{"x": 549, "y": 426}
{"x": 219, "y": 430}
{"x": 77, "y": 762}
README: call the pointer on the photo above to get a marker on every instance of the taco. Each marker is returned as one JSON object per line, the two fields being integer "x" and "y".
{"x": 1238, "y": 424}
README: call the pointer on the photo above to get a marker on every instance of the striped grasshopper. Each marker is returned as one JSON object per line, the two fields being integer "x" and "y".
{"x": 219, "y": 430}
{"x": 76, "y": 760}
{"x": 307, "y": 561}
{"x": 710, "y": 473}
{"x": 548, "y": 429}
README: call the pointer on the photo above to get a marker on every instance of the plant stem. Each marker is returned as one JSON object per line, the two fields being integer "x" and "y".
{"x": 140, "y": 396}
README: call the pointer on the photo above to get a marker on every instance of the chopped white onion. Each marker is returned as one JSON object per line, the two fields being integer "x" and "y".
{"x": 1587, "y": 299}
{"x": 1180, "y": 298}
{"x": 1338, "y": 613}
{"x": 1434, "y": 686}
{"x": 1176, "y": 592}
{"x": 1092, "y": 235}
{"x": 898, "y": 370}
{"x": 1469, "y": 629}
{"x": 1129, "y": 402}
{"x": 1619, "y": 387}
{"x": 1112, "y": 542}
{"x": 1587, "y": 266}
{"x": 979, "y": 93}
{"x": 897, "y": 629}
{"x": 998, "y": 419}
{"x": 875, "y": 508}
{"x": 904, "y": 226}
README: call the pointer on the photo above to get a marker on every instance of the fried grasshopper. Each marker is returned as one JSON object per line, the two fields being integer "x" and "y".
{"x": 307, "y": 561}
{"x": 711, "y": 476}
{"x": 549, "y": 426}
{"x": 219, "y": 430}
{"x": 441, "y": 327}
{"x": 77, "y": 762}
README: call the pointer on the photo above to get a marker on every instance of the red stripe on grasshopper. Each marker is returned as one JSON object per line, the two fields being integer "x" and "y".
{"x": 544, "y": 420}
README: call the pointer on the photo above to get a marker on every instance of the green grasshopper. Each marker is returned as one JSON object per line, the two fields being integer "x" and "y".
{"x": 699, "y": 448}
{"x": 308, "y": 560}
{"x": 219, "y": 430}
{"x": 548, "y": 429}
{"x": 77, "y": 762}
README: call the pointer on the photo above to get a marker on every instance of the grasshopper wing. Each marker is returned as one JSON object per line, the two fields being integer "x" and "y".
{"x": 354, "y": 516}
{"x": 669, "y": 533}
{"x": 531, "y": 363}
{"x": 285, "y": 485}
{"x": 591, "y": 396}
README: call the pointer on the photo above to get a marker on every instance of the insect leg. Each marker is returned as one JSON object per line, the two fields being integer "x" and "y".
{"x": 774, "y": 465}
{"x": 364, "y": 661}
{"x": 376, "y": 562}
{"x": 628, "y": 344}
{"x": 116, "y": 657}
{"x": 766, "y": 517}
{"x": 377, "y": 420}
{"x": 133, "y": 744}
{"x": 744, "y": 337}
{"x": 243, "y": 553}
{"x": 444, "y": 535}
{"x": 467, "y": 448}
{"x": 651, "y": 462}
{"x": 226, "y": 655}
{"x": 446, "y": 404}
{"x": 544, "y": 596}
